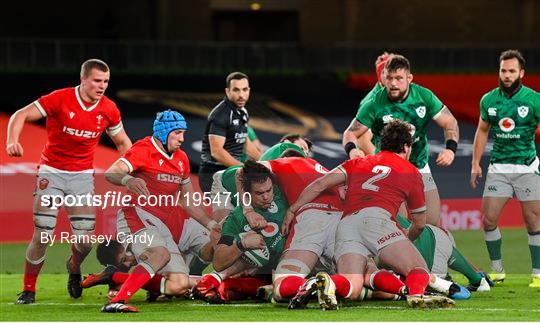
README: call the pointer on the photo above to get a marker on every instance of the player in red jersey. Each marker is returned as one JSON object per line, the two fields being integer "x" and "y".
{"x": 377, "y": 185}
{"x": 160, "y": 171}
{"x": 76, "y": 119}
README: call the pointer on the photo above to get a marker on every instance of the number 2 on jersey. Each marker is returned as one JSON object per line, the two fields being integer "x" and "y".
{"x": 382, "y": 172}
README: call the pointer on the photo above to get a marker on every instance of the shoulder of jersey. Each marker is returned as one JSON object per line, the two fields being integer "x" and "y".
{"x": 220, "y": 108}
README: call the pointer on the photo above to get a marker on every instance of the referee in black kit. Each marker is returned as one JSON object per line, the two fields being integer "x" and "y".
{"x": 225, "y": 135}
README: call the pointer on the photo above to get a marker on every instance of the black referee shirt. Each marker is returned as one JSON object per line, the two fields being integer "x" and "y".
{"x": 227, "y": 121}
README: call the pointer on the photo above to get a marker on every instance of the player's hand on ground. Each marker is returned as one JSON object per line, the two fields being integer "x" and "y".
{"x": 476, "y": 174}
{"x": 15, "y": 149}
{"x": 255, "y": 220}
{"x": 287, "y": 222}
{"x": 138, "y": 186}
{"x": 445, "y": 158}
{"x": 253, "y": 240}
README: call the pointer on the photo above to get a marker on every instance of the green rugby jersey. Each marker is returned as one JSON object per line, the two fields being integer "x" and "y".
{"x": 276, "y": 150}
{"x": 417, "y": 109}
{"x": 236, "y": 223}
{"x": 425, "y": 243}
{"x": 513, "y": 124}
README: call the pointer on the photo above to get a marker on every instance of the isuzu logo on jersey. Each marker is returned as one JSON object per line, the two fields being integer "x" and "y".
{"x": 270, "y": 230}
{"x": 80, "y": 133}
{"x": 421, "y": 111}
{"x": 169, "y": 178}
{"x": 507, "y": 124}
{"x": 523, "y": 111}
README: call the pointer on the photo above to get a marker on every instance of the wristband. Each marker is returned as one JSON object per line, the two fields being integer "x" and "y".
{"x": 349, "y": 146}
{"x": 451, "y": 145}
{"x": 240, "y": 245}
{"x": 125, "y": 179}
{"x": 211, "y": 225}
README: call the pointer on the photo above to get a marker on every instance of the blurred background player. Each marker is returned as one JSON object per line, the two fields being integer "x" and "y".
{"x": 377, "y": 185}
{"x": 76, "y": 119}
{"x": 407, "y": 101}
{"x": 257, "y": 144}
{"x": 512, "y": 111}
{"x": 160, "y": 168}
{"x": 225, "y": 134}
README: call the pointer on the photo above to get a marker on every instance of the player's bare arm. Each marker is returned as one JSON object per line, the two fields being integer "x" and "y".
{"x": 196, "y": 212}
{"x": 121, "y": 141}
{"x": 252, "y": 150}
{"x": 334, "y": 178}
{"x": 226, "y": 254}
{"x": 350, "y": 139}
{"x": 479, "y": 144}
{"x": 118, "y": 174}
{"x": 418, "y": 222}
{"x": 255, "y": 220}
{"x": 219, "y": 153}
{"x": 29, "y": 113}
{"x": 448, "y": 122}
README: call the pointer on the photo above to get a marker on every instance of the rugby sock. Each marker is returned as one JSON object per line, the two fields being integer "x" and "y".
{"x": 417, "y": 281}
{"x": 493, "y": 243}
{"x": 439, "y": 284}
{"x": 245, "y": 285}
{"x": 386, "y": 281}
{"x": 458, "y": 263}
{"x": 31, "y": 272}
{"x": 343, "y": 285}
{"x": 119, "y": 277}
{"x": 153, "y": 285}
{"x": 141, "y": 274}
{"x": 534, "y": 247}
{"x": 289, "y": 286}
{"x": 76, "y": 260}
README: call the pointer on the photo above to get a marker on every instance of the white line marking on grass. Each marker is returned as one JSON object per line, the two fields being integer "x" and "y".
{"x": 450, "y": 309}
{"x": 55, "y": 304}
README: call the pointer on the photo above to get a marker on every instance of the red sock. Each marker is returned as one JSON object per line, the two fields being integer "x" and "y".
{"x": 154, "y": 284}
{"x": 386, "y": 281}
{"x": 343, "y": 285}
{"x": 245, "y": 285}
{"x": 135, "y": 281}
{"x": 76, "y": 260}
{"x": 289, "y": 286}
{"x": 31, "y": 273}
{"x": 119, "y": 277}
{"x": 417, "y": 281}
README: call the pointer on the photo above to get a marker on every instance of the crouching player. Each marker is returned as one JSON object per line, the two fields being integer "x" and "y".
{"x": 160, "y": 168}
{"x": 241, "y": 247}
{"x": 377, "y": 186}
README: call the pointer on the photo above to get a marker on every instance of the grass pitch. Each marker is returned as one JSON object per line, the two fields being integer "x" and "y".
{"x": 511, "y": 301}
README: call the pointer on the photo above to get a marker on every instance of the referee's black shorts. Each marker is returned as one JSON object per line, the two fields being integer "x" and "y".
{"x": 206, "y": 171}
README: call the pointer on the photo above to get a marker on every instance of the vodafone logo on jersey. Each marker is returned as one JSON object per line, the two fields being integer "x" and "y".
{"x": 270, "y": 230}
{"x": 507, "y": 124}
{"x": 80, "y": 133}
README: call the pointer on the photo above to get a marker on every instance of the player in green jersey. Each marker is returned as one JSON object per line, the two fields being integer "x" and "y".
{"x": 254, "y": 146}
{"x": 402, "y": 99}
{"x": 512, "y": 112}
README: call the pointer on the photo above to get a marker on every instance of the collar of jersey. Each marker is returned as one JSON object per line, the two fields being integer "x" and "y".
{"x": 80, "y": 100}
{"x": 161, "y": 151}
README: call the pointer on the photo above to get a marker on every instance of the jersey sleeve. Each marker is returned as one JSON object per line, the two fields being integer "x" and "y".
{"x": 135, "y": 157}
{"x": 536, "y": 106}
{"x": 219, "y": 122}
{"x": 416, "y": 200}
{"x": 366, "y": 114}
{"x": 115, "y": 121}
{"x": 230, "y": 226}
{"x": 187, "y": 170}
{"x": 251, "y": 134}
{"x": 483, "y": 109}
{"x": 49, "y": 104}
{"x": 433, "y": 105}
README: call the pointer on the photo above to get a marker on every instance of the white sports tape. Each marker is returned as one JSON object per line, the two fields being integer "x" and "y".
{"x": 284, "y": 268}
{"x": 534, "y": 239}
{"x": 45, "y": 221}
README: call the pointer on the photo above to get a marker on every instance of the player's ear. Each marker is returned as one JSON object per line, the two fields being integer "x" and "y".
{"x": 521, "y": 73}
{"x": 410, "y": 77}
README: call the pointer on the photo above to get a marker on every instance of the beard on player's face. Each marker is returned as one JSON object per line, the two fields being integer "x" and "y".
{"x": 509, "y": 88}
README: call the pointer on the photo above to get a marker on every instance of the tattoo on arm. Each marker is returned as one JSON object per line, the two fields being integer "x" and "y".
{"x": 451, "y": 131}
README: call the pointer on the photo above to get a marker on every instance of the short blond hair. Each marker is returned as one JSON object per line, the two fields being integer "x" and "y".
{"x": 92, "y": 63}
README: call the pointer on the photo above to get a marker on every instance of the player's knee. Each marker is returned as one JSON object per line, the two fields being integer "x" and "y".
{"x": 82, "y": 224}
{"x": 489, "y": 222}
{"x": 44, "y": 224}
{"x": 291, "y": 266}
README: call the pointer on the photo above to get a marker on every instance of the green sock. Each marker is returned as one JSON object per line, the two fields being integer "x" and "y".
{"x": 534, "y": 247}
{"x": 493, "y": 242}
{"x": 458, "y": 263}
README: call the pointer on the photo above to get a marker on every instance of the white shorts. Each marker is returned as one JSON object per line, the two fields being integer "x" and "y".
{"x": 366, "y": 232}
{"x": 219, "y": 194}
{"x": 443, "y": 251}
{"x": 503, "y": 180}
{"x": 52, "y": 181}
{"x": 194, "y": 237}
{"x": 154, "y": 234}
{"x": 427, "y": 178}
